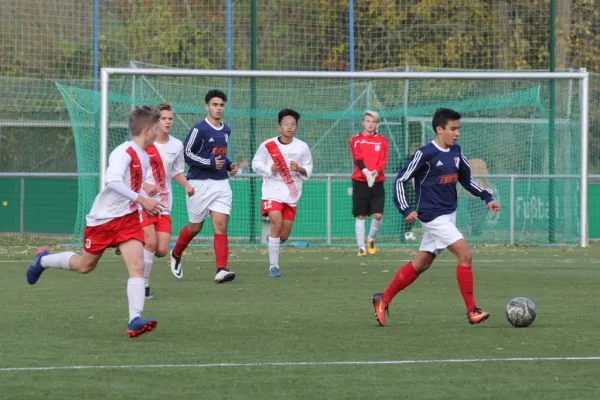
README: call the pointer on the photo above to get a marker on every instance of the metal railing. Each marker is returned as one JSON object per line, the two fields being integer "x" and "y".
{"x": 328, "y": 178}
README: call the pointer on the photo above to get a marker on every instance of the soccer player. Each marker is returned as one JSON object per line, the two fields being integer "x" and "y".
{"x": 205, "y": 151}
{"x": 436, "y": 167}
{"x": 284, "y": 163}
{"x": 370, "y": 154}
{"x": 114, "y": 220}
{"x": 166, "y": 164}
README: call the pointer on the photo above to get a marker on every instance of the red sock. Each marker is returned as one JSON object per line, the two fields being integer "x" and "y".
{"x": 221, "y": 250}
{"x": 464, "y": 276}
{"x": 404, "y": 277}
{"x": 184, "y": 239}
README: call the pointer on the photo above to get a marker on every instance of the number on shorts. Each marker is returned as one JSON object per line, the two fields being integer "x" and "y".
{"x": 88, "y": 243}
{"x": 268, "y": 204}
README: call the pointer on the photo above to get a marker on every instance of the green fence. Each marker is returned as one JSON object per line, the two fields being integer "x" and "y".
{"x": 324, "y": 213}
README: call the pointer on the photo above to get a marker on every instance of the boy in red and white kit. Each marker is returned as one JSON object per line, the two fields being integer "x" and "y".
{"x": 284, "y": 163}
{"x": 166, "y": 164}
{"x": 114, "y": 220}
{"x": 370, "y": 154}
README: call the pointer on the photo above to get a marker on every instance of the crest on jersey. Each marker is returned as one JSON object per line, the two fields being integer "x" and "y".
{"x": 377, "y": 147}
{"x": 456, "y": 161}
{"x": 226, "y": 138}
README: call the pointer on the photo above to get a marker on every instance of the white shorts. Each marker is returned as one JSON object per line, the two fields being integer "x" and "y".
{"x": 210, "y": 195}
{"x": 439, "y": 234}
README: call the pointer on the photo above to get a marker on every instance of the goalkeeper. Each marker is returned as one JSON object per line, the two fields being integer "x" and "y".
{"x": 370, "y": 154}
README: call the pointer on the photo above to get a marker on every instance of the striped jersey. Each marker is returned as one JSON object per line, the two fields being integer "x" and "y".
{"x": 274, "y": 186}
{"x": 436, "y": 171}
{"x": 203, "y": 144}
{"x": 129, "y": 164}
{"x": 166, "y": 162}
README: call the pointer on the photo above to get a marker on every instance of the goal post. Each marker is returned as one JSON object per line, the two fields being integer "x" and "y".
{"x": 500, "y": 98}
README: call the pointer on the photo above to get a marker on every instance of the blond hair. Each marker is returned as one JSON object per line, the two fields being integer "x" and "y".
{"x": 373, "y": 114}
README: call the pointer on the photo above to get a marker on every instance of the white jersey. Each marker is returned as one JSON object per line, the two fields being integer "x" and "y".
{"x": 166, "y": 162}
{"x": 274, "y": 186}
{"x": 129, "y": 164}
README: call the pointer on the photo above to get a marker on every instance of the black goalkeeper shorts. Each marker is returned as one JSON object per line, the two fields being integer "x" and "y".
{"x": 366, "y": 200}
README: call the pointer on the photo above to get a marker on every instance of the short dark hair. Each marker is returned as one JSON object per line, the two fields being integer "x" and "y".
{"x": 165, "y": 106}
{"x": 442, "y": 116}
{"x": 142, "y": 117}
{"x": 215, "y": 93}
{"x": 288, "y": 112}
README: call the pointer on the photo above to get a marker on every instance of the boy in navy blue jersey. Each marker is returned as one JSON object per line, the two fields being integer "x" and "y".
{"x": 205, "y": 151}
{"x": 436, "y": 167}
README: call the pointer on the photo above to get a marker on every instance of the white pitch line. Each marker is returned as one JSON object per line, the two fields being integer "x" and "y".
{"x": 299, "y": 364}
{"x": 330, "y": 258}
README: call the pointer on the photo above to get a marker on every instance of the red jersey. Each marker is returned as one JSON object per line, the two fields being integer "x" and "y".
{"x": 372, "y": 151}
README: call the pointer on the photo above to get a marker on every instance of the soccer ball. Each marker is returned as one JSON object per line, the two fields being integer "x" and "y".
{"x": 410, "y": 236}
{"x": 520, "y": 312}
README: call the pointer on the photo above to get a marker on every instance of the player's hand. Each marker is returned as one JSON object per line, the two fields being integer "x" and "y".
{"x": 189, "y": 190}
{"x": 275, "y": 169}
{"x": 493, "y": 207}
{"x": 294, "y": 166}
{"x": 412, "y": 217}
{"x": 233, "y": 169}
{"x": 371, "y": 175}
{"x": 151, "y": 206}
{"x": 151, "y": 190}
{"x": 219, "y": 162}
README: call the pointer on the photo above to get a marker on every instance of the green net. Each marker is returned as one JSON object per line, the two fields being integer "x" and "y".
{"x": 506, "y": 125}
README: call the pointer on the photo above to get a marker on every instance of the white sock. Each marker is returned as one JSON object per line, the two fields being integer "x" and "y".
{"x": 375, "y": 225}
{"x": 59, "y": 260}
{"x": 359, "y": 229}
{"x": 273, "y": 251}
{"x": 148, "y": 259}
{"x": 136, "y": 297}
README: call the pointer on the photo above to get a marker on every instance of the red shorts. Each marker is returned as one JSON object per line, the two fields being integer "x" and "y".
{"x": 288, "y": 212}
{"x": 119, "y": 230}
{"x": 162, "y": 223}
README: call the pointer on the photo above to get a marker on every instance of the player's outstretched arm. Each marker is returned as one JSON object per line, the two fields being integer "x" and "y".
{"x": 383, "y": 158}
{"x": 410, "y": 169}
{"x": 180, "y": 179}
{"x": 194, "y": 145}
{"x": 261, "y": 163}
{"x": 306, "y": 164}
{"x": 467, "y": 181}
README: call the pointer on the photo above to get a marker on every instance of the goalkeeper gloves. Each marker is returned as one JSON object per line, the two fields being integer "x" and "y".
{"x": 370, "y": 175}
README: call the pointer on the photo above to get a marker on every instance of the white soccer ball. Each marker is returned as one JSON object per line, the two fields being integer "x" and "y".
{"x": 520, "y": 312}
{"x": 410, "y": 236}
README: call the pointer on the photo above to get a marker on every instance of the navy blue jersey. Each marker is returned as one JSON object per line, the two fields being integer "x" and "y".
{"x": 202, "y": 145}
{"x": 436, "y": 172}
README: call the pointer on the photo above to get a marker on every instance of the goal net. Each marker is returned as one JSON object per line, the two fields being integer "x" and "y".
{"x": 530, "y": 146}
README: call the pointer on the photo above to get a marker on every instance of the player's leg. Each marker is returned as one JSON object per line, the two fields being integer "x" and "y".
{"x": 220, "y": 208}
{"x": 157, "y": 236}
{"x": 67, "y": 260}
{"x": 95, "y": 240}
{"x": 150, "y": 243}
{"x": 464, "y": 277}
{"x": 132, "y": 251}
{"x": 361, "y": 204}
{"x": 274, "y": 241}
{"x": 274, "y": 210}
{"x": 197, "y": 207}
{"x": 221, "y": 246}
{"x": 376, "y": 209}
{"x": 406, "y": 275}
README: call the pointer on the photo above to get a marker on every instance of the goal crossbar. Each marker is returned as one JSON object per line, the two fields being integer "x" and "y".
{"x": 582, "y": 75}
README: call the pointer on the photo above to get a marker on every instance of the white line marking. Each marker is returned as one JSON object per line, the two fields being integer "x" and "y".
{"x": 301, "y": 364}
{"x": 475, "y": 260}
